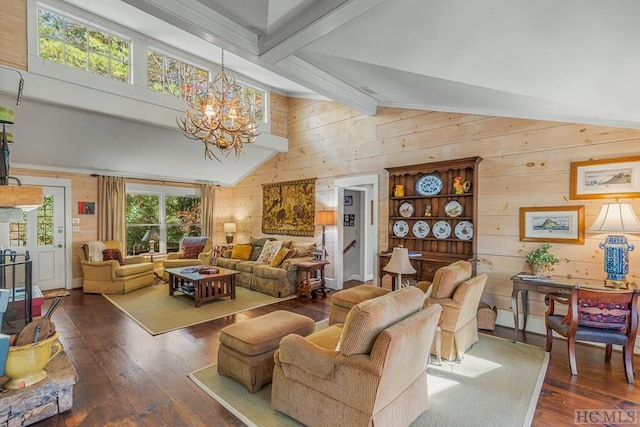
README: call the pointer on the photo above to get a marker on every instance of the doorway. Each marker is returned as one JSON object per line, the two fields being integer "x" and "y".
{"x": 44, "y": 233}
{"x": 364, "y": 191}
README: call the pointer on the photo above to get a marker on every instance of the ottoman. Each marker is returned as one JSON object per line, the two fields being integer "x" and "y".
{"x": 246, "y": 348}
{"x": 342, "y": 301}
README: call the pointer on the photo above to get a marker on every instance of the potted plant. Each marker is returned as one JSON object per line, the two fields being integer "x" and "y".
{"x": 541, "y": 261}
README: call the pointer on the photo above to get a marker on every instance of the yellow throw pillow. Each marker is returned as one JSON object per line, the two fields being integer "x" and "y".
{"x": 241, "y": 252}
{"x": 280, "y": 257}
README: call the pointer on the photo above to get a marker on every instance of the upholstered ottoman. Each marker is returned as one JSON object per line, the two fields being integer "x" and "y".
{"x": 342, "y": 301}
{"x": 246, "y": 348}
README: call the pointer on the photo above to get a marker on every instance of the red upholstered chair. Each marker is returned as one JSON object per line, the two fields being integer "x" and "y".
{"x": 606, "y": 317}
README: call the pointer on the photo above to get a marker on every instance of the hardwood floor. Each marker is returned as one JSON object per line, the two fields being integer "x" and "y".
{"x": 128, "y": 377}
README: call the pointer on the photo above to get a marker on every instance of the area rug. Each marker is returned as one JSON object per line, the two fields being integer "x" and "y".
{"x": 54, "y": 293}
{"x": 496, "y": 384}
{"x": 157, "y": 312}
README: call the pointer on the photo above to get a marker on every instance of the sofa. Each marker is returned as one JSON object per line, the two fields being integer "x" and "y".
{"x": 107, "y": 271}
{"x": 259, "y": 272}
{"x": 371, "y": 371}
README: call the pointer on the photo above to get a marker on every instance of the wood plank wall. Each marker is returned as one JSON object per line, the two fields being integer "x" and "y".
{"x": 526, "y": 163}
{"x": 278, "y": 114}
{"x": 13, "y": 34}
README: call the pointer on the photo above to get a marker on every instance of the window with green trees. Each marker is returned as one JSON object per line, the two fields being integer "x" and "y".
{"x": 176, "y": 78}
{"x": 254, "y": 99}
{"x": 171, "y": 216}
{"x": 70, "y": 42}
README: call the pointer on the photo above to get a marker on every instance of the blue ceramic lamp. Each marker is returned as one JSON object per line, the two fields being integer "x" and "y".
{"x": 616, "y": 219}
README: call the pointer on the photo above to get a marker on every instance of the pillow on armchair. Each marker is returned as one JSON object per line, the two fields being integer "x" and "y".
{"x": 113, "y": 254}
{"x": 191, "y": 251}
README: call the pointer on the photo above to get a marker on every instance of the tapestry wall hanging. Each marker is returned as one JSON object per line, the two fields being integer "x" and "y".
{"x": 289, "y": 207}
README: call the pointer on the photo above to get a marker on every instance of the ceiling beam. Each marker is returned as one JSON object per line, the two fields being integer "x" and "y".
{"x": 320, "y": 19}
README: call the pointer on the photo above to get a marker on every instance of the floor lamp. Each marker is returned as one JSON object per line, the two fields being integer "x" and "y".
{"x": 325, "y": 218}
{"x": 399, "y": 264}
{"x": 615, "y": 219}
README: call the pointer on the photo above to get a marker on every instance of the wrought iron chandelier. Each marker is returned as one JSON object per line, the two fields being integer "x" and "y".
{"x": 220, "y": 119}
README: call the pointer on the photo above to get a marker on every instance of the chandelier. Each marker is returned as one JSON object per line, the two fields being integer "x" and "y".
{"x": 220, "y": 119}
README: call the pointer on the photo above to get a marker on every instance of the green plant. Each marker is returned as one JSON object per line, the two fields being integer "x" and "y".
{"x": 541, "y": 258}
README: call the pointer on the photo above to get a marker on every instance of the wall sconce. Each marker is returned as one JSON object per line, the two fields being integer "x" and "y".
{"x": 325, "y": 218}
{"x": 229, "y": 228}
{"x": 616, "y": 218}
{"x": 399, "y": 264}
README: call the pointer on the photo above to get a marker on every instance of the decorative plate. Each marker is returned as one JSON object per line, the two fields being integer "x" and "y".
{"x": 464, "y": 230}
{"x": 420, "y": 229}
{"x": 428, "y": 185}
{"x": 400, "y": 228}
{"x": 406, "y": 209}
{"x": 453, "y": 208}
{"x": 441, "y": 229}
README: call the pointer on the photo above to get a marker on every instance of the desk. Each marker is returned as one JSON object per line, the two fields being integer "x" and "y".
{"x": 558, "y": 285}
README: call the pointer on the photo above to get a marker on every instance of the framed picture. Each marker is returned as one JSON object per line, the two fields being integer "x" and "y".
{"x": 604, "y": 179}
{"x": 289, "y": 207}
{"x": 553, "y": 224}
{"x": 349, "y": 220}
{"x": 348, "y": 200}
{"x": 87, "y": 208}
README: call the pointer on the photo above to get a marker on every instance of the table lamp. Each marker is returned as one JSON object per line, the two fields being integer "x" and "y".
{"x": 152, "y": 237}
{"x": 229, "y": 228}
{"x": 616, "y": 218}
{"x": 399, "y": 264}
{"x": 325, "y": 218}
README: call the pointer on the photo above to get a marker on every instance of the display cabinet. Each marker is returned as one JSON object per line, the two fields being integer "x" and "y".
{"x": 433, "y": 213}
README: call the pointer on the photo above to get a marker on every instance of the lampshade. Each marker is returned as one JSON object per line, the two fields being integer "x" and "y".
{"x": 24, "y": 197}
{"x": 151, "y": 234}
{"x": 399, "y": 263}
{"x": 325, "y": 218}
{"x": 616, "y": 218}
{"x": 229, "y": 227}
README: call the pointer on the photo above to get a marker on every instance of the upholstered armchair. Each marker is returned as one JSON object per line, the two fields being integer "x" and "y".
{"x": 605, "y": 317}
{"x": 107, "y": 271}
{"x": 193, "y": 251}
{"x": 369, "y": 371}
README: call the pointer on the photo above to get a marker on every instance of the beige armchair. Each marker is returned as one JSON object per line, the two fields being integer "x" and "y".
{"x": 459, "y": 323}
{"x": 369, "y": 371}
{"x": 176, "y": 260}
{"x": 109, "y": 277}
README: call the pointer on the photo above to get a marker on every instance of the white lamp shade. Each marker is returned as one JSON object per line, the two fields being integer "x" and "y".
{"x": 151, "y": 234}
{"x": 229, "y": 227}
{"x": 399, "y": 262}
{"x": 616, "y": 218}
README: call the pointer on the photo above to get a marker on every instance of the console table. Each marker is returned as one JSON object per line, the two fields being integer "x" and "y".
{"x": 524, "y": 282}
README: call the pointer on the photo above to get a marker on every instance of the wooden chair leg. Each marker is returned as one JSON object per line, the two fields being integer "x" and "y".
{"x": 607, "y": 353}
{"x": 627, "y": 354}
{"x": 547, "y": 347}
{"x": 571, "y": 347}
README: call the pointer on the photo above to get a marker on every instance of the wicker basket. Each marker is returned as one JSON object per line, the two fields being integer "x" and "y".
{"x": 486, "y": 316}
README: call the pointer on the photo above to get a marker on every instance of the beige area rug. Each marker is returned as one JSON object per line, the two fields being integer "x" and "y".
{"x": 55, "y": 293}
{"x": 496, "y": 384}
{"x": 158, "y": 312}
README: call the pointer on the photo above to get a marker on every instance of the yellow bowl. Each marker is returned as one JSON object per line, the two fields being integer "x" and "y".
{"x": 25, "y": 364}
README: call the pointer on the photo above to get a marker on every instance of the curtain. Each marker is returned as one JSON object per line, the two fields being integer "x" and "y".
{"x": 208, "y": 194}
{"x": 112, "y": 209}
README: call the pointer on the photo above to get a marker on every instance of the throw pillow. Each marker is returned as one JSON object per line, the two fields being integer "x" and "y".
{"x": 603, "y": 315}
{"x": 303, "y": 249}
{"x": 258, "y": 245}
{"x": 191, "y": 251}
{"x": 113, "y": 254}
{"x": 241, "y": 252}
{"x": 270, "y": 250}
{"x": 281, "y": 256}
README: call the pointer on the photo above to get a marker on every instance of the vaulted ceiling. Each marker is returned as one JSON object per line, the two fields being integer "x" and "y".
{"x": 570, "y": 60}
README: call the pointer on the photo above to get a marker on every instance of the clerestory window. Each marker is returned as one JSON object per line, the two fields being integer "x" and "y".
{"x": 174, "y": 77}
{"x": 70, "y": 42}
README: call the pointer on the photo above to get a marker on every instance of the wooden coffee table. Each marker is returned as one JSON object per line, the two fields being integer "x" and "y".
{"x": 203, "y": 287}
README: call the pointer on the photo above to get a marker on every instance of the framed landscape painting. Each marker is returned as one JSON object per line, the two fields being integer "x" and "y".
{"x": 604, "y": 179}
{"x": 553, "y": 224}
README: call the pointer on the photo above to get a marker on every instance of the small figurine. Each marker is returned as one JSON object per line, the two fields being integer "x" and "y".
{"x": 398, "y": 190}
{"x": 427, "y": 210}
{"x": 458, "y": 185}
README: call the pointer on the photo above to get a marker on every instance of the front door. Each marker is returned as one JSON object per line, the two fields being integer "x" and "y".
{"x": 42, "y": 233}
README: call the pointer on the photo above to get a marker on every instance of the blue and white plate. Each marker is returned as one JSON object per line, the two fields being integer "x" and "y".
{"x": 420, "y": 229}
{"x": 428, "y": 185}
{"x": 400, "y": 228}
{"x": 464, "y": 230}
{"x": 441, "y": 229}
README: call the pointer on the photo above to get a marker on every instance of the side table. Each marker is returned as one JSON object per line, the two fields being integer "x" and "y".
{"x": 311, "y": 278}
{"x": 159, "y": 257}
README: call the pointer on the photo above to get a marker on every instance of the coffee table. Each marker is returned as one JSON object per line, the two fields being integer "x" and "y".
{"x": 203, "y": 287}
